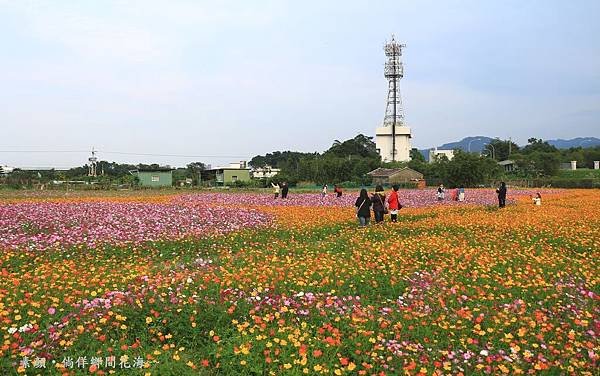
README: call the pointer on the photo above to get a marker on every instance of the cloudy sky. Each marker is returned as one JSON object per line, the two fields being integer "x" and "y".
{"x": 238, "y": 78}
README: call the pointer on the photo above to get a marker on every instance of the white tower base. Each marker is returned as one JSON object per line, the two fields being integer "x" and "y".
{"x": 383, "y": 142}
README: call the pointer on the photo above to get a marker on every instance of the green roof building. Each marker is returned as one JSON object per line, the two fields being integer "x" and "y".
{"x": 154, "y": 177}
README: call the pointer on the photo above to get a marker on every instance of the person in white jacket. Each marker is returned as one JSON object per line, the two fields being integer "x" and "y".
{"x": 276, "y": 189}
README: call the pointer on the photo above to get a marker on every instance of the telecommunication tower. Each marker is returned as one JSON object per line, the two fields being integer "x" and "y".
{"x": 93, "y": 163}
{"x": 393, "y": 138}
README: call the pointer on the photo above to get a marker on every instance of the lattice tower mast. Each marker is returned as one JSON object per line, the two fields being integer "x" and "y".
{"x": 393, "y": 72}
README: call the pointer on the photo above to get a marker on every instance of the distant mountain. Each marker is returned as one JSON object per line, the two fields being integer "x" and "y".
{"x": 472, "y": 144}
{"x": 476, "y": 144}
{"x": 584, "y": 142}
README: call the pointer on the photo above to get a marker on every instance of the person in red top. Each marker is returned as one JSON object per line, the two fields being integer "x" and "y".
{"x": 394, "y": 203}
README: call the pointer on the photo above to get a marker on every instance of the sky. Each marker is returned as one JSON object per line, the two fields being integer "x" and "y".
{"x": 222, "y": 81}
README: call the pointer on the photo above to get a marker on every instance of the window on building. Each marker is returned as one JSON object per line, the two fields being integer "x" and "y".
{"x": 155, "y": 178}
{"x": 234, "y": 178}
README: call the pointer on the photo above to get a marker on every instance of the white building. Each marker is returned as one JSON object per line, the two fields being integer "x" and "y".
{"x": 436, "y": 153}
{"x": 384, "y": 142}
{"x": 6, "y": 169}
{"x": 265, "y": 172}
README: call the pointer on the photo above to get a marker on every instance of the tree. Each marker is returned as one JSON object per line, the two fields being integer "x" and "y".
{"x": 416, "y": 155}
{"x": 535, "y": 144}
{"x": 503, "y": 148}
{"x": 360, "y": 145}
{"x": 465, "y": 169}
{"x": 194, "y": 170}
{"x": 538, "y": 163}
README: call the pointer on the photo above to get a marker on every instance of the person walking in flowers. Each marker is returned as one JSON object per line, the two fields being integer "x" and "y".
{"x": 394, "y": 203}
{"x": 363, "y": 208}
{"x": 501, "y": 191}
{"x": 378, "y": 200}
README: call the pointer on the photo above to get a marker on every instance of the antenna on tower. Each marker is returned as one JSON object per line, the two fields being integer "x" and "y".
{"x": 93, "y": 163}
{"x": 393, "y": 72}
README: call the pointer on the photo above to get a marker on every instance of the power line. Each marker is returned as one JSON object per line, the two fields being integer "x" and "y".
{"x": 173, "y": 155}
{"x": 124, "y": 153}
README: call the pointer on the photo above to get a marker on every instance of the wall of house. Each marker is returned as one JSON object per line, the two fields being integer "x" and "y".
{"x": 155, "y": 178}
{"x": 241, "y": 175}
{"x": 383, "y": 143}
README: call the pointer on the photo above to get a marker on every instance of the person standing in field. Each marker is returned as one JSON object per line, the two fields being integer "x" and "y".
{"x": 461, "y": 194}
{"x": 501, "y": 191}
{"x": 276, "y": 189}
{"x": 363, "y": 208}
{"x": 441, "y": 193}
{"x": 284, "y": 189}
{"x": 378, "y": 201}
{"x": 324, "y": 191}
{"x": 338, "y": 191}
{"x": 537, "y": 199}
{"x": 394, "y": 203}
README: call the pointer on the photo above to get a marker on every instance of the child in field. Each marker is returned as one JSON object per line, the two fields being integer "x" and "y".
{"x": 324, "y": 191}
{"x": 363, "y": 208}
{"x": 537, "y": 199}
{"x": 461, "y": 194}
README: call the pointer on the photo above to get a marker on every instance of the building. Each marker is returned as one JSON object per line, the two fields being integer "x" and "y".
{"x": 237, "y": 171}
{"x": 265, "y": 172}
{"x": 508, "y": 165}
{"x": 436, "y": 153}
{"x": 154, "y": 177}
{"x": 6, "y": 169}
{"x": 393, "y": 137}
{"x": 390, "y": 176}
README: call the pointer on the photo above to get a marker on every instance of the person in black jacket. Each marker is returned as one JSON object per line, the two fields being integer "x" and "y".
{"x": 284, "y": 190}
{"x": 363, "y": 208}
{"x": 501, "y": 191}
{"x": 378, "y": 201}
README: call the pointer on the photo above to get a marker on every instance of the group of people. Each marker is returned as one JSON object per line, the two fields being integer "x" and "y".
{"x": 457, "y": 194}
{"x": 283, "y": 188}
{"x": 501, "y": 192}
{"x": 337, "y": 190}
{"x": 380, "y": 204}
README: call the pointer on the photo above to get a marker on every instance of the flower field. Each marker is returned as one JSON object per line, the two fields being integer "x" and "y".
{"x": 242, "y": 284}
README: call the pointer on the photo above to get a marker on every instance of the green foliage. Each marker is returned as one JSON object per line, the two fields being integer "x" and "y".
{"x": 538, "y": 163}
{"x": 465, "y": 169}
{"x": 538, "y": 145}
{"x": 584, "y": 173}
{"x": 278, "y": 159}
{"x": 503, "y": 148}
{"x": 360, "y": 145}
{"x": 585, "y": 157}
{"x": 416, "y": 156}
{"x": 345, "y": 161}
